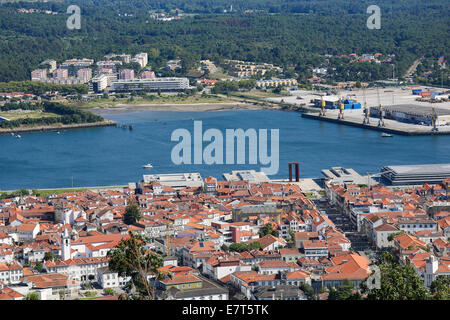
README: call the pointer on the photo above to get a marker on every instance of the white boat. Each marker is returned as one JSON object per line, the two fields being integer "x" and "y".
{"x": 19, "y": 136}
{"x": 147, "y": 166}
{"x": 386, "y": 135}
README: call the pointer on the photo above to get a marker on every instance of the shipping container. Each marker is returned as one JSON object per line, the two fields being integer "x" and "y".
{"x": 416, "y": 91}
{"x": 357, "y": 106}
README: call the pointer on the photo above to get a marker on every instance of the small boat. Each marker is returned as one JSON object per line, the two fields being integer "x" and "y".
{"x": 19, "y": 136}
{"x": 147, "y": 166}
{"x": 58, "y": 132}
{"x": 12, "y": 133}
{"x": 386, "y": 135}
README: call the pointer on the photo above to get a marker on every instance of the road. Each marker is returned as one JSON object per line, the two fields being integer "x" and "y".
{"x": 359, "y": 241}
{"x": 412, "y": 69}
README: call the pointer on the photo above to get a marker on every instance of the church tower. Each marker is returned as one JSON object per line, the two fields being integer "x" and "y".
{"x": 65, "y": 246}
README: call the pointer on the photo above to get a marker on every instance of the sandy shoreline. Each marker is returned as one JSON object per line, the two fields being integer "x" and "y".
{"x": 57, "y": 127}
{"x": 192, "y": 107}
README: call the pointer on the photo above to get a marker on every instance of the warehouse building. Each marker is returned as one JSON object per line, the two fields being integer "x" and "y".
{"x": 413, "y": 114}
{"x": 246, "y": 175}
{"x": 163, "y": 84}
{"x": 176, "y": 180}
{"x": 415, "y": 174}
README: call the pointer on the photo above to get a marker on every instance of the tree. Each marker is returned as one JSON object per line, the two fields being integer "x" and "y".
{"x": 49, "y": 256}
{"x": 123, "y": 296}
{"x": 392, "y": 235}
{"x": 87, "y": 285}
{"x": 39, "y": 266}
{"x": 32, "y": 296}
{"x": 344, "y": 292}
{"x": 242, "y": 246}
{"x": 109, "y": 291}
{"x": 268, "y": 229}
{"x": 291, "y": 239}
{"x": 440, "y": 288}
{"x": 132, "y": 213}
{"x": 130, "y": 258}
{"x": 308, "y": 290}
{"x": 398, "y": 282}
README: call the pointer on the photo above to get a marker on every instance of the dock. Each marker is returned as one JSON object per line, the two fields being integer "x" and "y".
{"x": 391, "y": 126}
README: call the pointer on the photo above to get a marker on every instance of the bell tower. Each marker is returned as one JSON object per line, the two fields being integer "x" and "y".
{"x": 65, "y": 246}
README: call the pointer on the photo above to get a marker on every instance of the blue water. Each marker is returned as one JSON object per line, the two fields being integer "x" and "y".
{"x": 114, "y": 156}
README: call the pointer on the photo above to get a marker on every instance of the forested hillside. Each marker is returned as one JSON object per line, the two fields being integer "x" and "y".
{"x": 288, "y": 33}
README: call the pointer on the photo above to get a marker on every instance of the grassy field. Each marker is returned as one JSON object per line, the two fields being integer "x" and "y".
{"x": 157, "y": 100}
{"x": 46, "y": 193}
{"x": 14, "y": 114}
{"x": 260, "y": 94}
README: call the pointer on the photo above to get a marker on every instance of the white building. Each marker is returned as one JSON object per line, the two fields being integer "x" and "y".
{"x": 381, "y": 235}
{"x": 163, "y": 84}
{"x": 39, "y": 75}
{"x": 176, "y": 180}
{"x": 10, "y": 273}
{"x": 100, "y": 82}
{"x": 433, "y": 269}
{"x": 110, "y": 279}
{"x": 220, "y": 268}
{"x": 82, "y": 269}
{"x": 27, "y": 232}
{"x": 141, "y": 58}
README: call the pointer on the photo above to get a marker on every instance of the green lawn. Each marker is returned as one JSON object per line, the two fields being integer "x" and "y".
{"x": 46, "y": 193}
{"x": 15, "y": 115}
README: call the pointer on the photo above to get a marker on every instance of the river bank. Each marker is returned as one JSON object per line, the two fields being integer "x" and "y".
{"x": 189, "y": 107}
{"x": 113, "y": 156}
{"x": 58, "y": 126}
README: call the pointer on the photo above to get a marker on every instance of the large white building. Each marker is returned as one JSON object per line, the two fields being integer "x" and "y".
{"x": 10, "y": 273}
{"x": 176, "y": 180}
{"x": 141, "y": 58}
{"x": 39, "y": 75}
{"x": 163, "y": 84}
{"x": 100, "y": 82}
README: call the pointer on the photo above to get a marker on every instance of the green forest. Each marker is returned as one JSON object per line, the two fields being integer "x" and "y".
{"x": 66, "y": 115}
{"x": 292, "y": 34}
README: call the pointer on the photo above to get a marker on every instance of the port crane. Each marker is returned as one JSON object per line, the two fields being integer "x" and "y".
{"x": 322, "y": 104}
{"x": 434, "y": 117}
{"x": 341, "y": 108}
{"x": 366, "y": 110}
{"x": 381, "y": 111}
